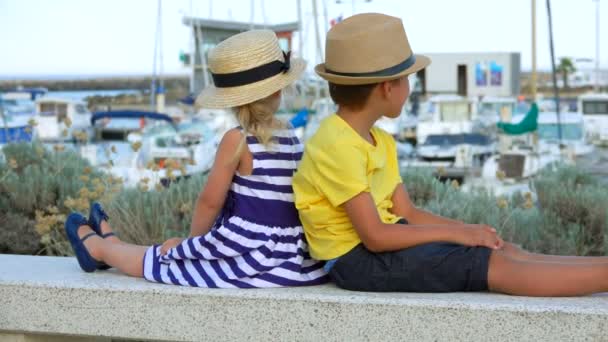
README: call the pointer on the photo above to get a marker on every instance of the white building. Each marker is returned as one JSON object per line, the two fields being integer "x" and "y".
{"x": 472, "y": 74}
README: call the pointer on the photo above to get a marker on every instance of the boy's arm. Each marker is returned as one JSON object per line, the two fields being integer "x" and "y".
{"x": 404, "y": 207}
{"x": 381, "y": 237}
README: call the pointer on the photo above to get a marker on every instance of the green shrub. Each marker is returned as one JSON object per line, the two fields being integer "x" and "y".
{"x": 570, "y": 218}
{"x": 579, "y": 205}
{"x": 39, "y": 188}
{"x": 151, "y": 217}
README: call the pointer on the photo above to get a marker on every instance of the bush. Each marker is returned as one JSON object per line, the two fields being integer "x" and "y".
{"x": 570, "y": 218}
{"x": 38, "y": 188}
{"x": 579, "y": 205}
{"x": 150, "y": 217}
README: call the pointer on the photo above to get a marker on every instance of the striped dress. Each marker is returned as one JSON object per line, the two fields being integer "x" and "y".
{"x": 257, "y": 240}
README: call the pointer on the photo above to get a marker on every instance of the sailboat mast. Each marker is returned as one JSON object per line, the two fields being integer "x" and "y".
{"x": 252, "y": 14}
{"x": 553, "y": 74}
{"x": 153, "y": 85}
{"x": 315, "y": 15}
{"x": 597, "y": 46}
{"x": 533, "y": 77}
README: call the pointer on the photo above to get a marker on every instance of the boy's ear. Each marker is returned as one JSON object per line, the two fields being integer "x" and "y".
{"x": 385, "y": 88}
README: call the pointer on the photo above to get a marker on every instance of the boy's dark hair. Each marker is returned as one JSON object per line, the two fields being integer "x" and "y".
{"x": 352, "y": 96}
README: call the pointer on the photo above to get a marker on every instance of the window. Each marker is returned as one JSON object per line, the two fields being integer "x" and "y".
{"x": 454, "y": 111}
{"x": 595, "y": 107}
{"x": 80, "y": 109}
{"x": 551, "y": 132}
{"x": 54, "y": 109}
{"x": 489, "y": 108}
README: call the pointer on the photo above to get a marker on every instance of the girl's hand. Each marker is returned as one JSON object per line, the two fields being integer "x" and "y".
{"x": 171, "y": 243}
{"x": 480, "y": 235}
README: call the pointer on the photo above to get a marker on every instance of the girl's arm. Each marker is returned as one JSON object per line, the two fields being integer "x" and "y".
{"x": 404, "y": 207}
{"x": 211, "y": 200}
{"x": 381, "y": 237}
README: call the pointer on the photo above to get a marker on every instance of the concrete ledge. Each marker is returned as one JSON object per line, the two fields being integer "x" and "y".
{"x": 51, "y": 296}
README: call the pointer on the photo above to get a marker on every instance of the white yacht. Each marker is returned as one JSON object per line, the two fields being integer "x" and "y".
{"x": 572, "y": 141}
{"x": 444, "y": 147}
{"x": 509, "y": 172}
{"x": 16, "y": 111}
{"x": 445, "y": 114}
{"x": 594, "y": 108}
{"x": 492, "y": 109}
{"x": 58, "y": 119}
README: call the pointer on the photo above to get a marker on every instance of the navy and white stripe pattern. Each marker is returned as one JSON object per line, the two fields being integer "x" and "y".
{"x": 257, "y": 240}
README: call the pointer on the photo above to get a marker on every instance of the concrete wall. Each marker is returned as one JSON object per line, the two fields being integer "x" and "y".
{"x": 442, "y": 74}
{"x": 42, "y": 298}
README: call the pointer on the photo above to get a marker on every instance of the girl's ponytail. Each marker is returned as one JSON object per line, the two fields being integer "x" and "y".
{"x": 257, "y": 118}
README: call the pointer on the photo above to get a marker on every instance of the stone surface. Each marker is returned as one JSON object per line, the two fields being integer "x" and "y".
{"x": 51, "y": 295}
{"x": 19, "y": 337}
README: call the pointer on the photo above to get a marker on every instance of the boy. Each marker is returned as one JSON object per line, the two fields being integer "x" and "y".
{"x": 357, "y": 214}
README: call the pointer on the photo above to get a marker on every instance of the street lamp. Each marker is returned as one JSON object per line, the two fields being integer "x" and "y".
{"x": 597, "y": 45}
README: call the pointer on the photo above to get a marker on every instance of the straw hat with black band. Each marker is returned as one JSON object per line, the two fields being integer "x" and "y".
{"x": 247, "y": 67}
{"x": 368, "y": 48}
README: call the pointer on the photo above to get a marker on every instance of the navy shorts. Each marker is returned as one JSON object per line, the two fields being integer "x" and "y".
{"x": 432, "y": 267}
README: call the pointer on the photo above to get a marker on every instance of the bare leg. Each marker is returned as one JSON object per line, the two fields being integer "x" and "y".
{"x": 125, "y": 257}
{"x": 545, "y": 279}
{"x": 105, "y": 228}
{"x": 520, "y": 254}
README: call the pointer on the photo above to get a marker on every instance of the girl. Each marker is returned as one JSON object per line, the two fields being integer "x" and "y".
{"x": 357, "y": 214}
{"x": 245, "y": 229}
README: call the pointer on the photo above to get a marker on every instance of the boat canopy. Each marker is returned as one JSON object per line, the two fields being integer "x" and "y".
{"x": 527, "y": 125}
{"x": 457, "y": 139}
{"x": 188, "y": 100}
{"x": 130, "y": 114}
{"x": 33, "y": 93}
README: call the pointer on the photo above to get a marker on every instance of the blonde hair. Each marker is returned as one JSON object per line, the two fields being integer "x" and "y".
{"x": 258, "y": 119}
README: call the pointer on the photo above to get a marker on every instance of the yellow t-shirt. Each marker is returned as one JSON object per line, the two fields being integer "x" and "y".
{"x": 337, "y": 165}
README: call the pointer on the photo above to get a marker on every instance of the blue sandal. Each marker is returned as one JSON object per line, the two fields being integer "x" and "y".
{"x": 96, "y": 215}
{"x": 85, "y": 260}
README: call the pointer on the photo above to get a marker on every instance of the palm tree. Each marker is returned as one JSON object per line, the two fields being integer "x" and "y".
{"x": 565, "y": 67}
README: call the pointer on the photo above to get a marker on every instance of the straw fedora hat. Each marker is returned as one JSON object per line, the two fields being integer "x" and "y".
{"x": 368, "y": 48}
{"x": 247, "y": 67}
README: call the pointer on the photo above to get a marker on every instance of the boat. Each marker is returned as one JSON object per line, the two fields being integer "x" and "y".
{"x": 116, "y": 125}
{"x": 572, "y": 141}
{"x": 509, "y": 172}
{"x": 218, "y": 120}
{"x": 445, "y": 115}
{"x": 16, "y": 113}
{"x": 594, "y": 108}
{"x": 156, "y": 150}
{"x": 493, "y": 109}
{"x": 445, "y": 147}
{"x": 520, "y": 156}
{"x": 59, "y": 120}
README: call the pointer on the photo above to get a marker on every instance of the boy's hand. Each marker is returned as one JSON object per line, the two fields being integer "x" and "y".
{"x": 167, "y": 245}
{"x": 480, "y": 235}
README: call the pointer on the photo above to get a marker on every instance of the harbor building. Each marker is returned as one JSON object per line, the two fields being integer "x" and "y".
{"x": 472, "y": 74}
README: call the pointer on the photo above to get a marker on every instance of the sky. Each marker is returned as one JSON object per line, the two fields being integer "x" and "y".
{"x": 116, "y": 37}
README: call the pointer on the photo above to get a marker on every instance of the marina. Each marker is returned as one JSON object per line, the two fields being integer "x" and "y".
{"x": 479, "y": 196}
